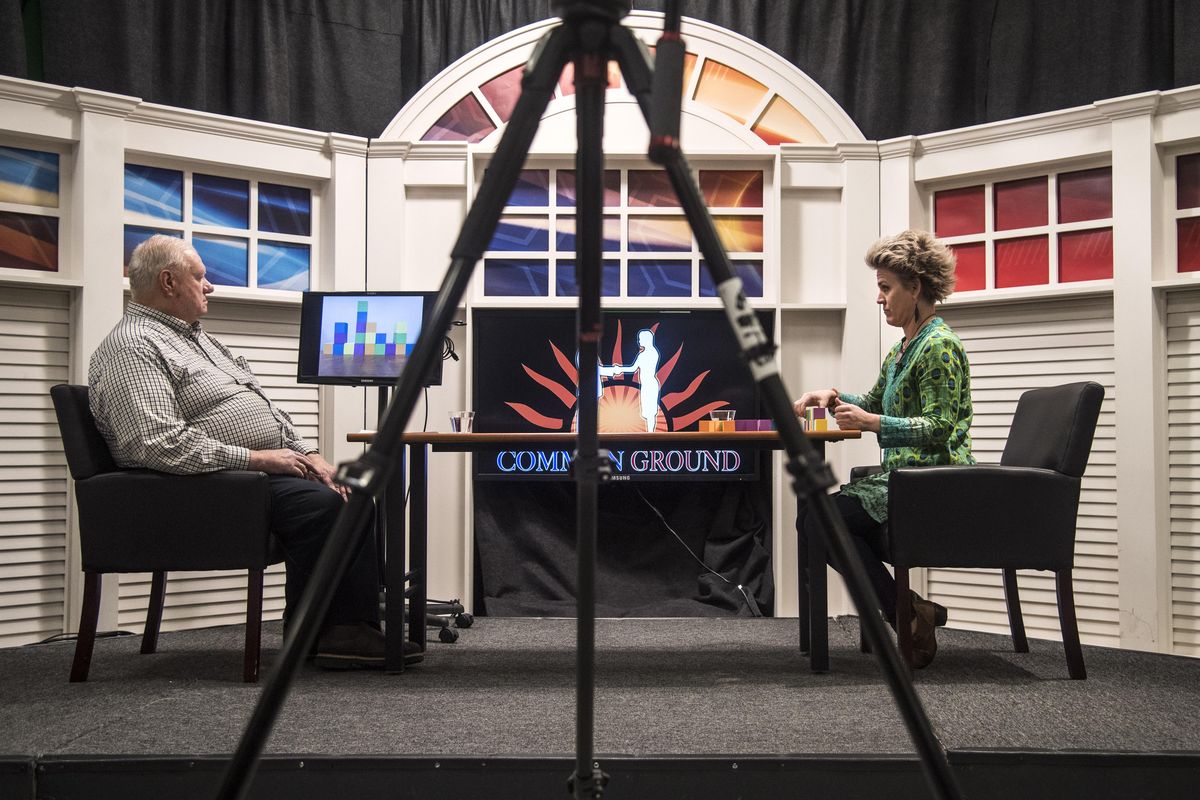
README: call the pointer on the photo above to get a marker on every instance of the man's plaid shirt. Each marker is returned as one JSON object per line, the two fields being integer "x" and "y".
{"x": 169, "y": 397}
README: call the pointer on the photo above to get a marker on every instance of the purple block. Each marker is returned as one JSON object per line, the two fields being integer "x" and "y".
{"x": 766, "y": 424}
{"x": 745, "y": 424}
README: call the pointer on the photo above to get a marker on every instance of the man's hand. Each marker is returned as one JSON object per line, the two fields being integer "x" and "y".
{"x": 281, "y": 462}
{"x": 323, "y": 472}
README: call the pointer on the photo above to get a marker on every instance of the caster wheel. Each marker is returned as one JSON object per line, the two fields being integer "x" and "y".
{"x": 448, "y": 635}
{"x": 463, "y": 620}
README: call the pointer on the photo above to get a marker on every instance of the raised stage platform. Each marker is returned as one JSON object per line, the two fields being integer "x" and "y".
{"x": 700, "y": 708}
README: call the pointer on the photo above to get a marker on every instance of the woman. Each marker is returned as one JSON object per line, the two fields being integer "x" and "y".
{"x": 920, "y": 407}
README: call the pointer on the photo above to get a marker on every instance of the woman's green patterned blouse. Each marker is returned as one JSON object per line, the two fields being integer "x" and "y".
{"x": 923, "y": 398}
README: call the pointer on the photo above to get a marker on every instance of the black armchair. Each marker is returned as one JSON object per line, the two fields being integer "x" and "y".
{"x": 1019, "y": 514}
{"x": 138, "y": 520}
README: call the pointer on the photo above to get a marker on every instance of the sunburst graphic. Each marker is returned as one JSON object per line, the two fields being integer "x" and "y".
{"x": 619, "y": 408}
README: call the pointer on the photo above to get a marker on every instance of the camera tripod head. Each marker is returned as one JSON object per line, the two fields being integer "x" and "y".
{"x": 610, "y": 10}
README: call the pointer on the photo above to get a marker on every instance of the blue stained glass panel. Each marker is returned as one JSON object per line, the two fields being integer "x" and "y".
{"x": 660, "y": 279}
{"x": 523, "y": 234}
{"x": 532, "y": 189}
{"x": 284, "y": 209}
{"x": 283, "y": 266}
{"x": 135, "y": 235}
{"x": 567, "y": 285}
{"x": 28, "y": 177}
{"x": 516, "y": 277}
{"x": 751, "y": 273}
{"x": 226, "y": 260}
{"x": 153, "y": 194}
{"x": 220, "y": 201}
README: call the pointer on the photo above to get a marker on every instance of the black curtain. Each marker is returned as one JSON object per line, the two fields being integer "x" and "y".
{"x": 896, "y": 66}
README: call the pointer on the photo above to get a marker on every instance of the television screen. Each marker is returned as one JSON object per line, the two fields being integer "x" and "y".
{"x": 362, "y": 338}
{"x": 659, "y": 371}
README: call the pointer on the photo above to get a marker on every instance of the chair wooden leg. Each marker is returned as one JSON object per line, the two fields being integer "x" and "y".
{"x": 154, "y": 609}
{"x": 1016, "y": 622}
{"x": 1070, "y": 627}
{"x": 802, "y": 596}
{"x": 254, "y": 594}
{"x": 904, "y": 616}
{"x": 86, "y": 640}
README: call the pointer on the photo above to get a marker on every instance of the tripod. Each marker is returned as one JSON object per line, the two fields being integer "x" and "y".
{"x": 590, "y": 36}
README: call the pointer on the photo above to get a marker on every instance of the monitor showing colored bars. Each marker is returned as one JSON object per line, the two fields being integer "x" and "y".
{"x": 361, "y": 338}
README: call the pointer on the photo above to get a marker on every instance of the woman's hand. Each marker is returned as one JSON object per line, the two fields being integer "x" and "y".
{"x": 851, "y": 417}
{"x": 821, "y": 398}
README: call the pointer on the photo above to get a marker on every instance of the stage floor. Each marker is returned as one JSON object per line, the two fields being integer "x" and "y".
{"x": 666, "y": 689}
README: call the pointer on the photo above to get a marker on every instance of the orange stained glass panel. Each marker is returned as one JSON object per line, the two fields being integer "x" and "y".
{"x": 781, "y": 122}
{"x": 566, "y": 81}
{"x": 659, "y": 234}
{"x": 1085, "y": 255}
{"x": 958, "y": 212}
{"x": 1024, "y": 261}
{"x": 732, "y": 188}
{"x": 740, "y": 234}
{"x": 466, "y": 121}
{"x": 503, "y": 91}
{"x": 971, "y": 268}
{"x": 729, "y": 91}
{"x": 689, "y": 66}
{"x": 650, "y": 188}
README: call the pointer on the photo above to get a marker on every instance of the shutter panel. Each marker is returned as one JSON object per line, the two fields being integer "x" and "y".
{"x": 1183, "y": 430}
{"x": 1012, "y": 348}
{"x": 34, "y": 355}
{"x": 267, "y": 335}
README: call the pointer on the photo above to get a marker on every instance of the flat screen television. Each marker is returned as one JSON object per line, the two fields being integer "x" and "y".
{"x": 362, "y": 338}
{"x": 526, "y": 380}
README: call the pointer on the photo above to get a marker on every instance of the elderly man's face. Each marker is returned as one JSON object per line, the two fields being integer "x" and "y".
{"x": 190, "y": 290}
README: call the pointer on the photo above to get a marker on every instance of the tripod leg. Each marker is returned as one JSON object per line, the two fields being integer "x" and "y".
{"x": 812, "y": 476}
{"x": 368, "y": 476}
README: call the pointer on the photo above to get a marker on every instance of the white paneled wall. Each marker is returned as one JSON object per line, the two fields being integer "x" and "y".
{"x": 1183, "y": 431}
{"x": 1014, "y": 347}
{"x": 34, "y": 355}
{"x": 266, "y": 335}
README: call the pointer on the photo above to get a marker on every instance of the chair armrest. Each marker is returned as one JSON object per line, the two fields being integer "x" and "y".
{"x": 142, "y": 520}
{"x": 860, "y": 472}
{"x": 982, "y": 516}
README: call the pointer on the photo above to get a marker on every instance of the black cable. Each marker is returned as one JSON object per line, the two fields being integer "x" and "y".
{"x": 68, "y": 637}
{"x": 751, "y": 603}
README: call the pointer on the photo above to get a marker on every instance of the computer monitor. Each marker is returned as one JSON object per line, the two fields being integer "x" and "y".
{"x": 362, "y": 338}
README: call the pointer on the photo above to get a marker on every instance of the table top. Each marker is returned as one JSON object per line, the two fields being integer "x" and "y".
{"x": 484, "y": 440}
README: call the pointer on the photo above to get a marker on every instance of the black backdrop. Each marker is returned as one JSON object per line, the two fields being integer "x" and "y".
{"x": 897, "y": 66}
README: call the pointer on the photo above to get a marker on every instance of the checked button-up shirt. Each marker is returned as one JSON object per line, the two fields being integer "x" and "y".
{"x": 167, "y": 396}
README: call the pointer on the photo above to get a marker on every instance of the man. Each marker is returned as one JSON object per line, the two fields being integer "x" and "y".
{"x": 167, "y": 396}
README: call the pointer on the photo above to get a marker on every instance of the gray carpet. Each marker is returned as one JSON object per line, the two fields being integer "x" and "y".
{"x": 664, "y": 687}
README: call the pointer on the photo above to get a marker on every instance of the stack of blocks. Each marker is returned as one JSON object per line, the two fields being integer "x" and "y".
{"x": 815, "y": 419}
{"x": 367, "y": 340}
{"x": 712, "y": 426}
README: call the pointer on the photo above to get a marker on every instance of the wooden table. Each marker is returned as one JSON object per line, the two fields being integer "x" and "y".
{"x": 814, "y": 637}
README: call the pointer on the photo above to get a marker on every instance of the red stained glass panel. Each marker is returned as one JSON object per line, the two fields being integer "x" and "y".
{"x": 1021, "y": 204}
{"x": 1187, "y": 181}
{"x": 466, "y": 121}
{"x": 1085, "y": 195}
{"x": 650, "y": 188}
{"x": 971, "y": 268}
{"x": 503, "y": 91}
{"x": 1189, "y": 244}
{"x": 1085, "y": 255}
{"x": 1024, "y": 261}
{"x": 958, "y": 212}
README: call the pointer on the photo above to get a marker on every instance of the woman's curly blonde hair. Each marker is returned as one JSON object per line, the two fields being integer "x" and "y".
{"x": 916, "y": 255}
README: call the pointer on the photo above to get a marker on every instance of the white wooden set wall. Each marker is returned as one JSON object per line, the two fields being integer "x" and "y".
{"x": 389, "y": 212}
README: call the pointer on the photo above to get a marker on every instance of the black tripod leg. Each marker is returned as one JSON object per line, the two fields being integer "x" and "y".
{"x": 812, "y": 475}
{"x": 368, "y": 475}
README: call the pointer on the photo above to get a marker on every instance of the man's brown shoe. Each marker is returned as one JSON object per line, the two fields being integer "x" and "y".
{"x": 357, "y": 646}
{"x": 924, "y": 634}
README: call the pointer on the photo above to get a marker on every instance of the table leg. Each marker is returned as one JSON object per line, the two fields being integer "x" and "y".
{"x": 418, "y": 456}
{"x": 393, "y": 556}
